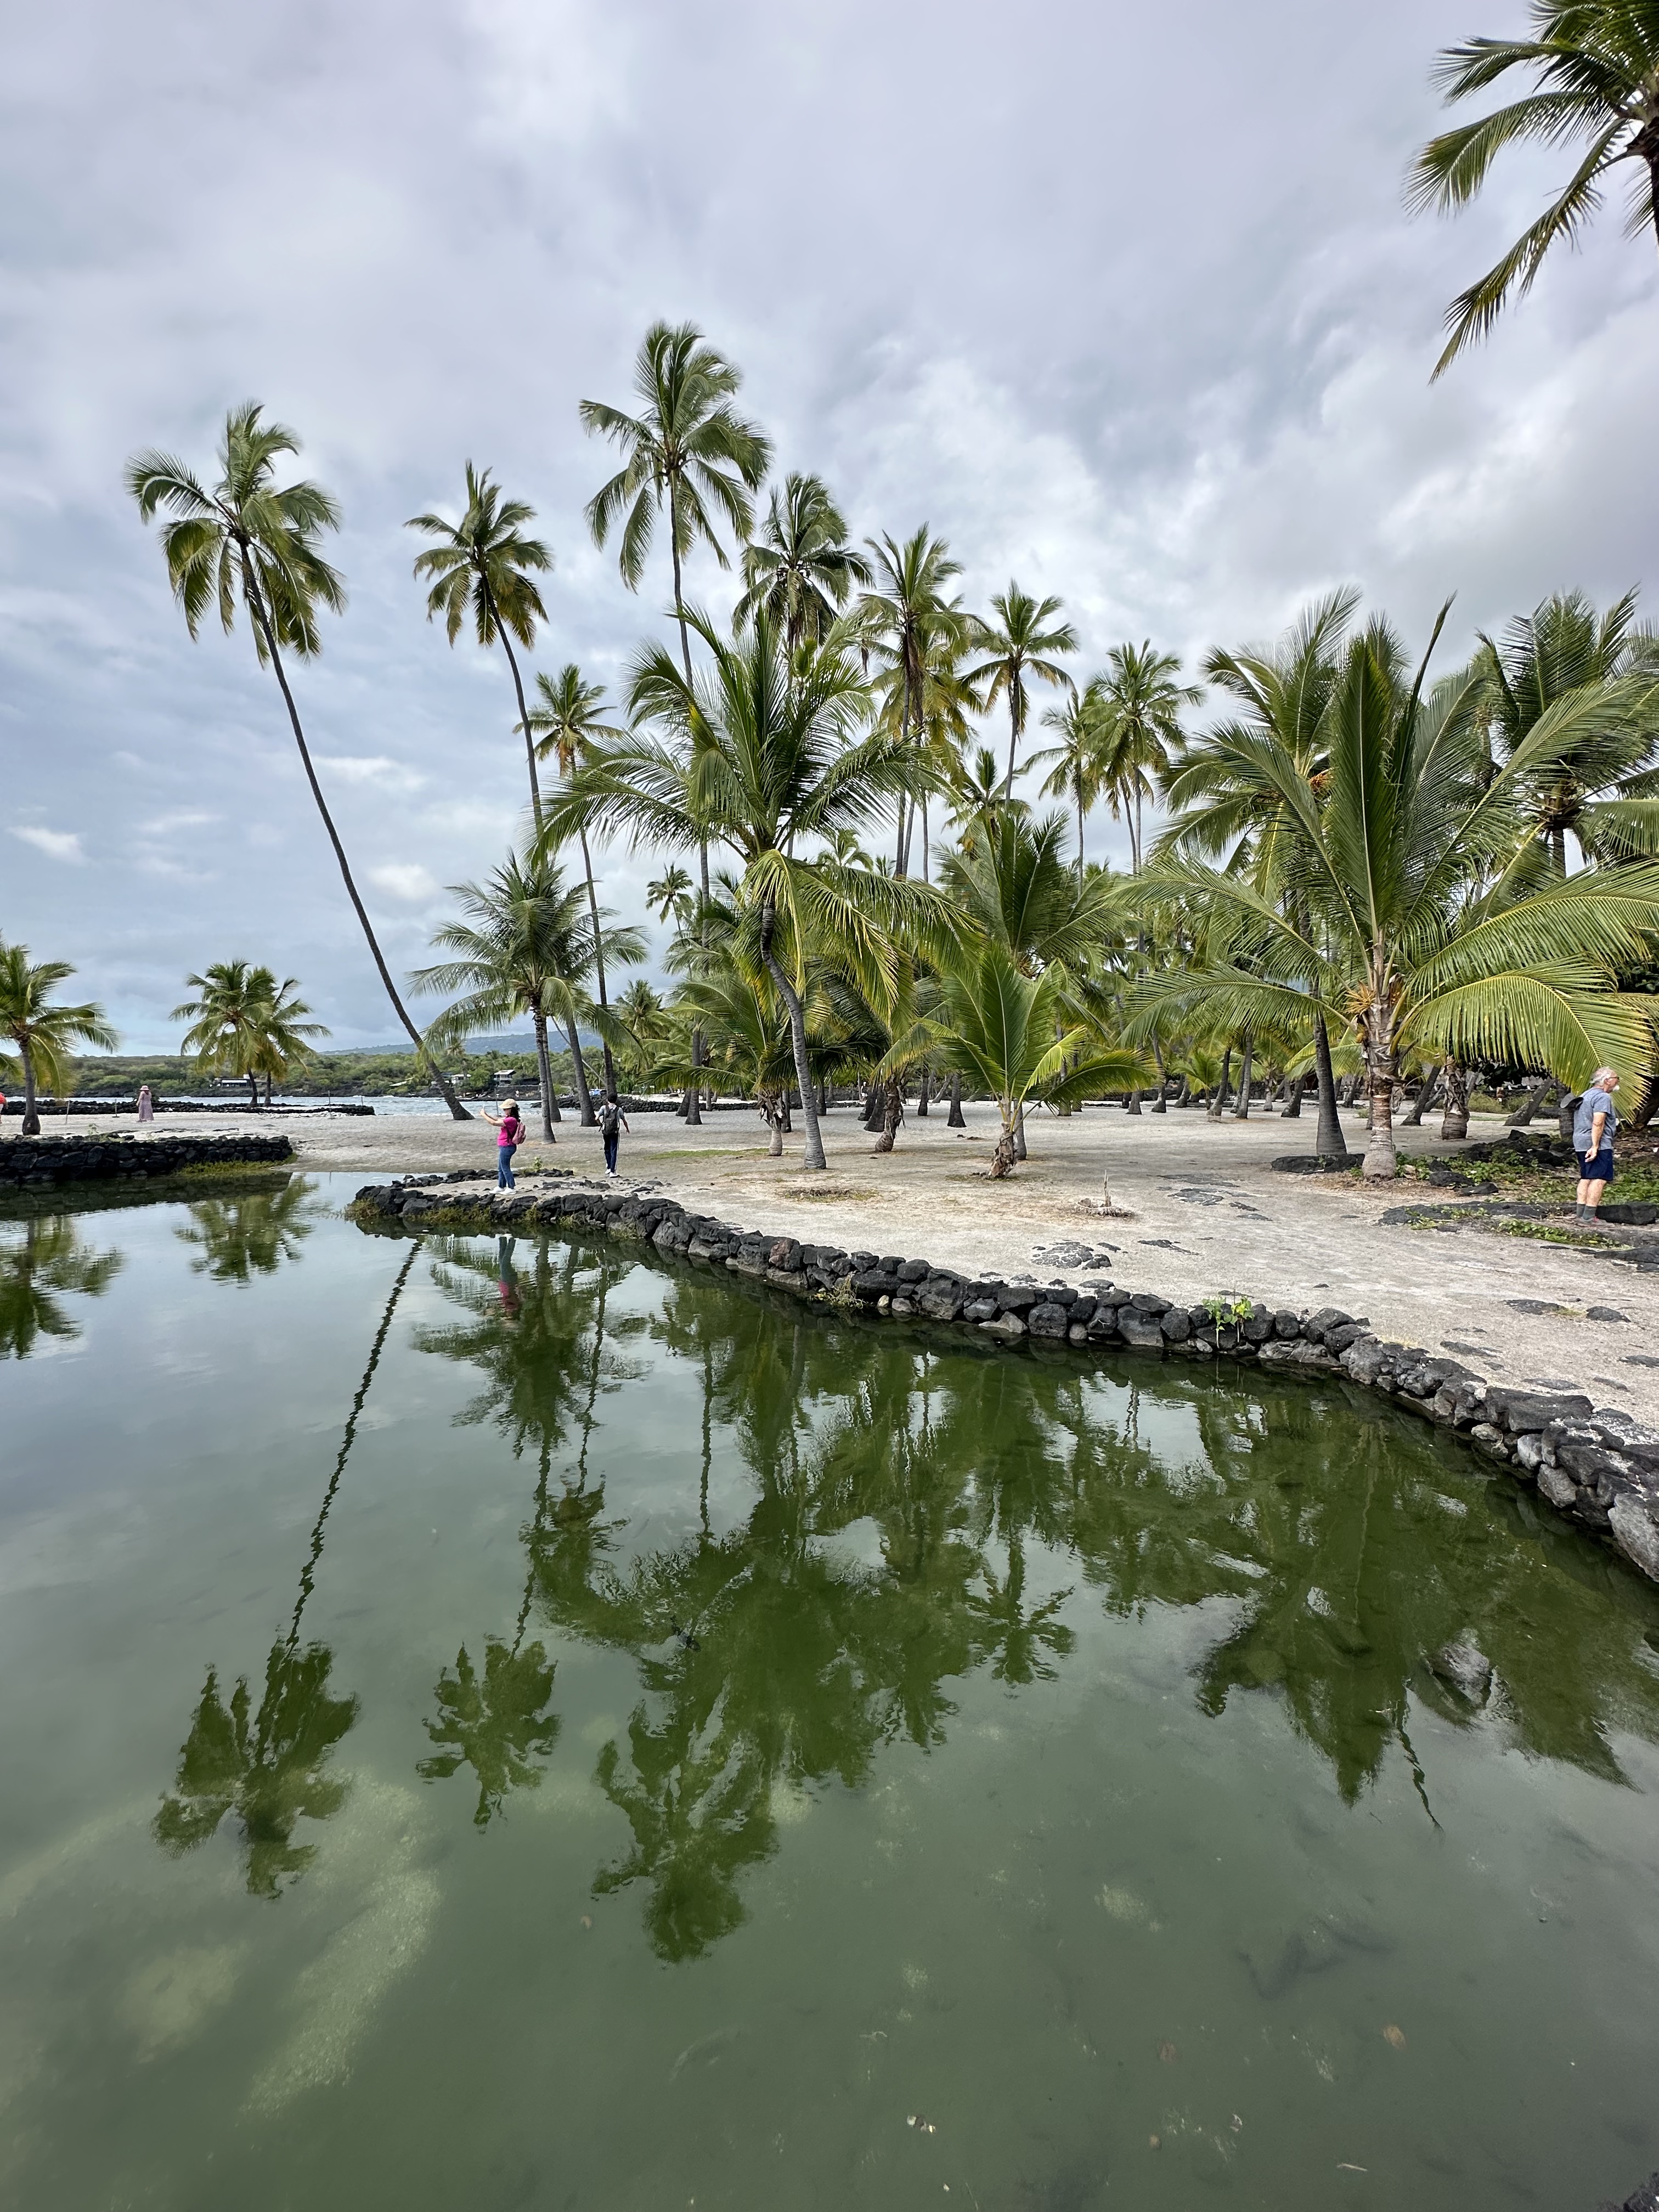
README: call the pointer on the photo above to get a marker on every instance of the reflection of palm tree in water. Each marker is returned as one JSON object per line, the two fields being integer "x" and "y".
{"x": 240, "y": 1237}
{"x": 494, "y": 1720}
{"x": 49, "y": 1263}
{"x": 269, "y": 1766}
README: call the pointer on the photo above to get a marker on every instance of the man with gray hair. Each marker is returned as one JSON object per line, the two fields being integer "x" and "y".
{"x": 1593, "y": 1126}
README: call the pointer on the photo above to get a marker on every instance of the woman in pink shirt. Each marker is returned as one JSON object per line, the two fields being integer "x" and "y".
{"x": 510, "y": 1133}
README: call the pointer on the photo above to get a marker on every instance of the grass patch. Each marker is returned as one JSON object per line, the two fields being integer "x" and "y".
{"x": 1545, "y": 1232}
{"x": 828, "y": 1194}
{"x": 707, "y": 1153}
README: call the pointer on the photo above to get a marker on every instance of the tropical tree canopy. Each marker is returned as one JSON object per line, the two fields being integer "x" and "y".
{"x": 1593, "y": 67}
{"x": 42, "y": 1030}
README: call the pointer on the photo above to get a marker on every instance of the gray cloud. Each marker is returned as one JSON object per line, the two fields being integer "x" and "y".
{"x": 1122, "y": 300}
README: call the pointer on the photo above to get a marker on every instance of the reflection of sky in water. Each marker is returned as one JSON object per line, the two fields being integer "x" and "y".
{"x": 818, "y": 1730}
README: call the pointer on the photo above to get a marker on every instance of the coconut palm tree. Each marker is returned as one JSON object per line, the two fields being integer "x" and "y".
{"x": 747, "y": 1027}
{"x": 1139, "y": 702}
{"x": 1018, "y": 647}
{"x": 800, "y": 568}
{"x": 41, "y": 1033}
{"x": 1595, "y": 71}
{"x": 687, "y": 450}
{"x": 906, "y": 621}
{"x": 1009, "y": 1033}
{"x": 1411, "y": 916}
{"x": 525, "y": 947}
{"x": 249, "y": 540}
{"x": 245, "y": 1023}
{"x": 760, "y": 754}
{"x": 485, "y": 566}
{"x": 1604, "y": 794}
{"x": 569, "y": 727}
{"x": 236, "y": 1238}
{"x": 1076, "y": 773}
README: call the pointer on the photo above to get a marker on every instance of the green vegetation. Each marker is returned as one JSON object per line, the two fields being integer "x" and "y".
{"x": 39, "y": 1028}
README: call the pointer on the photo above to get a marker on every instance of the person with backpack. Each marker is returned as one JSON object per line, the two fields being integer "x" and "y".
{"x": 509, "y": 1135}
{"x": 612, "y": 1122}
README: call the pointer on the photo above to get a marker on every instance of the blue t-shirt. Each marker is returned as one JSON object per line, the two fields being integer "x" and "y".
{"x": 1583, "y": 1121}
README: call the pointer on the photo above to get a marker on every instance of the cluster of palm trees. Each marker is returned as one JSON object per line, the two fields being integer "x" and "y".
{"x": 1362, "y": 872}
{"x": 246, "y": 1025}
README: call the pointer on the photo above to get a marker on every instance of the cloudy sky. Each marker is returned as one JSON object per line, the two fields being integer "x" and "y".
{"x": 1122, "y": 301}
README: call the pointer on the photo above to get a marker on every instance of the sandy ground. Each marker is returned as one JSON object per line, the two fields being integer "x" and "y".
{"x": 1205, "y": 1211}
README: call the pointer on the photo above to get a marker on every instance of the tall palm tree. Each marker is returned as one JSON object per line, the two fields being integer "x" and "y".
{"x": 485, "y": 566}
{"x": 760, "y": 754}
{"x": 1286, "y": 695}
{"x": 1594, "y": 69}
{"x": 42, "y": 1033}
{"x": 525, "y": 947}
{"x": 906, "y": 622}
{"x": 687, "y": 450}
{"x": 1018, "y": 647}
{"x": 245, "y": 1023}
{"x": 248, "y": 539}
{"x": 1139, "y": 704}
{"x": 1076, "y": 770}
{"x": 570, "y": 729}
{"x": 1414, "y": 920}
{"x": 800, "y": 568}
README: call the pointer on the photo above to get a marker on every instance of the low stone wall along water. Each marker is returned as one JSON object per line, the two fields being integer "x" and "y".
{"x": 28, "y": 1164}
{"x": 1597, "y": 1466}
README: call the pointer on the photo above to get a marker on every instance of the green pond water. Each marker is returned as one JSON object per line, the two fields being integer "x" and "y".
{"x": 515, "y": 1725}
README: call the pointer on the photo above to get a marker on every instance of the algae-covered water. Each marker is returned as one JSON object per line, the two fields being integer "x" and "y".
{"x": 512, "y": 1725}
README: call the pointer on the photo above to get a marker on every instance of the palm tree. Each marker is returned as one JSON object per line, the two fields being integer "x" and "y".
{"x": 569, "y": 728}
{"x": 248, "y": 540}
{"x": 41, "y": 1033}
{"x": 800, "y": 568}
{"x": 1140, "y": 702}
{"x": 670, "y": 893}
{"x": 1595, "y": 65}
{"x": 906, "y": 622}
{"x": 1018, "y": 647}
{"x": 482, "y": 566}
{"x": 760, "y": 754}
{"x": 525, "y": 947}
{"x": 650, "y": 1027}
{"x": 1008, "y": 1032}
{"x": 1603, "y": 792}
{"x": 687, "y": 450}
{"x": 240, "y": 1238}
{"x": 1411, "y": 917}
{"x": 1077, "y": 771}
{"x": 747, "y": 1027}
{"x": 245, "y": 1023}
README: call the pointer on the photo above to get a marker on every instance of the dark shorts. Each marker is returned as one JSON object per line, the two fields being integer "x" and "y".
{"x": 1596, "y": 1167}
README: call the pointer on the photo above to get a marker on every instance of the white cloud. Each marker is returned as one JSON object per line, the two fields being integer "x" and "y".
{"x": 166, "y": 825}
{"x": 404, "y": 880}
{"x": 56, "y": 844}
{"x": 375, "y": 768}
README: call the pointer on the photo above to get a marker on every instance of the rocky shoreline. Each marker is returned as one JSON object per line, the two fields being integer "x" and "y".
{"x": 1599, "y": 1467}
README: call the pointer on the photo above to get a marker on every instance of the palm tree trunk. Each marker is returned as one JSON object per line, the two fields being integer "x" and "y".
{"x": 809, "y": 1104}
{"x": 875, "y": 1104}
{"x": 699, "y": 1049}
{"x": 257, "y": 602}
{"x": 1160, "y": 1104}
{"x": 1424, "y": 1100}
{"x": 893, "y": 1114}
{"x": 924, "y": 1084}
{"x": 599, "y": 961}
{"x": 1292, "y": 1109}
{"x": 1020, "y": 1152}
{"x": 1013, "y": 740}
{"x": 1218, "y": 1104}
{"x": 926, "y": 878}
{"x": 1647, "y": 1103}
{"x": 1131, "y": 1100}
{"x": 1134, "y": 856}
{"x": 679, "y": 602}
{"x": 545, "y": 1066}
{"x": 524, "y": 724}
{"x": 1241, "y": 1111}
{"x": 1381, "y": 1161}
{"x": 1454, "y": 1121}
{"x": 253, "y": 1091}
{"x": 1330, "y": 1144}
{"x": 31, "y": 1116}
{"x": 579, "y": 1071}
{"x": 1007, "y": 1150}
{"x": 956, "y": 1118}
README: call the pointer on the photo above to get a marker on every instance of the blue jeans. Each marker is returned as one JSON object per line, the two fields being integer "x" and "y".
{"x": 504, "y": 1167}
{"x": 611, "y": 1145}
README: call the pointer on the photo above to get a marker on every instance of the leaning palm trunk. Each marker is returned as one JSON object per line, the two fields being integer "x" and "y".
{"x": 1454, "y": 1121}
{"x": 1160, "y": 1104}
{"x": 579, "y": 1074}
{"x": 891, "y": 1115}
{"x": 550, "y": 1105}
{"x": 1330, "y": 1143}
{"x": 256, "y": 601}
{"x": 1425, "y": 1099}
{"x": 814, "y": 1151}
{"x": 1241, "y": 1111}
{"x": 1217, "y": 1105}
{"x": 956, "y": 1118}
